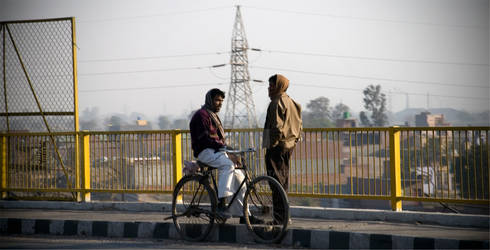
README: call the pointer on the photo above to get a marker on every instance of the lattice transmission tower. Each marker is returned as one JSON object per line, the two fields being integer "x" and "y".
{"x": 240, "y": 107}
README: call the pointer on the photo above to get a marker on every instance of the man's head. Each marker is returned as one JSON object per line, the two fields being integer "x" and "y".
{"x": 278, "y": 84}
{"x": 214, "y": 100}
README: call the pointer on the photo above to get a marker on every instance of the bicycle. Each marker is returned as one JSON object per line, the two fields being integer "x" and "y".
{"x": 194, "y": 204}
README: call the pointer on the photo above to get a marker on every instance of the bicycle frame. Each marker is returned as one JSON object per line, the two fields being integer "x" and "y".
{"x": 209, "y": 174}
{"x": 246, "y": 180}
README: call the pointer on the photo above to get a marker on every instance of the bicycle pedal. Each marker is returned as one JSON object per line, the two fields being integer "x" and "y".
{"x": 223, "y": 215}
{"x": 220, "y": 220}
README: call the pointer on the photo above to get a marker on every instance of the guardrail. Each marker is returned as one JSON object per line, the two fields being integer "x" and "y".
{"x": 436, "y": 164}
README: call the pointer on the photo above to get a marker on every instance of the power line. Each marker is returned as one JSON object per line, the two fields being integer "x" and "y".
{"x": 285, "y": 52}
{"x": 445, "y": 96}
{"x": 152, "y": 87}
{"x": 329, "y": 87}
{"x": 372, "y": 58}
{"x": 149, "y": 70}
{"x": 290, "y": 70}
{"x": 151, "y": 57}
{"x": 404, "y": 93}
{"x": 151, "y": 16}
{"x": 372, "y": 19}
{"x": 372, "y": 78}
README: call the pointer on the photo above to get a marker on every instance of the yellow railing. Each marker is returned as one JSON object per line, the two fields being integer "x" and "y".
{"x": 447, "y": 164}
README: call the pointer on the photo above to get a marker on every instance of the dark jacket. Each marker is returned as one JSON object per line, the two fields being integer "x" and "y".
{"x": 204, "y": 133}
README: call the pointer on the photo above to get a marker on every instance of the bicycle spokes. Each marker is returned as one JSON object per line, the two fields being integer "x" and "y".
{"x": 269, "y": 211}
{"x": 193, "y": 208}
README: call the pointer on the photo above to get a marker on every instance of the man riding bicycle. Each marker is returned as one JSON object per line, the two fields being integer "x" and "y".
{"x": 208, "y": 144}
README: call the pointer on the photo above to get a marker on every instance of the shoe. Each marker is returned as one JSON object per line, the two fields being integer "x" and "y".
{"x": 253, "y": 220}
{"x": 221, "y": 210}
{"x": 223, "y": 213}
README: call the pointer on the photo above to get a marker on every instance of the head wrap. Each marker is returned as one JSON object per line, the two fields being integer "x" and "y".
{"x": 279, "y": 87}
{"x": 208, "y": 103}
{"x": 209, "y": 106}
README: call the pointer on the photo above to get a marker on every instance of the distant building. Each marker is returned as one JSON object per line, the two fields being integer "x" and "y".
{"x": 346, "y": 121}
{"x": 426, "y": 119}
{"x": 141, "y": 123}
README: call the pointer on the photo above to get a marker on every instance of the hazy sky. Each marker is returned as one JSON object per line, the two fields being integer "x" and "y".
{"x": 154, "y": 57}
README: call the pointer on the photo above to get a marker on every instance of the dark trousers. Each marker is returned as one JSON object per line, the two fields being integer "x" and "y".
{"x": 277, "y": 164}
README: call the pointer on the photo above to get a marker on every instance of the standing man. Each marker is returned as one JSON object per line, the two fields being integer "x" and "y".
{"x": 282, "y": 130}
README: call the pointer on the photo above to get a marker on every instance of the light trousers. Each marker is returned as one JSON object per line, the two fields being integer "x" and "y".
{"x": 229, "y": 178}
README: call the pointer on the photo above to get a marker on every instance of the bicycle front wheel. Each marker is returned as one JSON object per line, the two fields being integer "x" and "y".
{"x": 266, "y": 209}
{"x": 193, "y": 208}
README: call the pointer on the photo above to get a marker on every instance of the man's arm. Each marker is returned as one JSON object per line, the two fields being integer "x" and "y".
{"x": 277, "y": 123}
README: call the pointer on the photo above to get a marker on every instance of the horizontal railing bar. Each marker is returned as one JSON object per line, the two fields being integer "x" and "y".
{"x": 441, "y": 128}
{"x": 37, "y": 20}
{"x": 448, "y": 200}
{"x": 16, "y": 134}
{"x": 132, "y": 132}
{"x": 38, "y": 114}
{"x": 341, "y": 196}
{"x": 358, "y": 129}
{"x": 250, "y": 130}
{"x": 67, "y": 190}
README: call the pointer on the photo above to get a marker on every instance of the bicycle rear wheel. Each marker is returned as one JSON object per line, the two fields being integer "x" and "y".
{"x": 193, "y": 208}
{"x": 270, "y": 210}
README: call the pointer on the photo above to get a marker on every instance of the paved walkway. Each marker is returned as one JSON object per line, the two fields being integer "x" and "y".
{"x": 373, "y": 232}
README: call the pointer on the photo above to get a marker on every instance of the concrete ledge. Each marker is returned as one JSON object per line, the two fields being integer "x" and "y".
{"x": 232, "y": 234}
{"x": 97, "y": 206}
{"x": 443, "y": 219}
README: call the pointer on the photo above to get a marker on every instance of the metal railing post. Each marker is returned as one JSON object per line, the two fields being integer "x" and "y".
{"x": 75, "y": 105}
{"x": 86, "y": 166}
{"x": 396, "y": 203}
{"x": 177, "y": 156}
{"x": 78, "y": 173}
{"x": 3, "y": 148}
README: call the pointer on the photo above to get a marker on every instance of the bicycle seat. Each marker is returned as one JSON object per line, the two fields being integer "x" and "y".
{"x": 204, "y": 167}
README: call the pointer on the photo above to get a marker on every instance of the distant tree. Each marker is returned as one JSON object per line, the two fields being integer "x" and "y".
{"x": 163, "y": 122}
{"x": 375, "y": 104}
{"x": 471, "y": 170}
{"x": 115, "y": 123}
{"x": 339, "y": 110}
{"x": 364, "y": 119}
{"x": 320, "y": 106}
{"x": 483, "y": 117}
{"x": 318, "y": 114}
{"x": 180, "y": 124}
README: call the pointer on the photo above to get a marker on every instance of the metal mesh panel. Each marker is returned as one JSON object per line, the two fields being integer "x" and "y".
{"x": 45, "y": 50}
